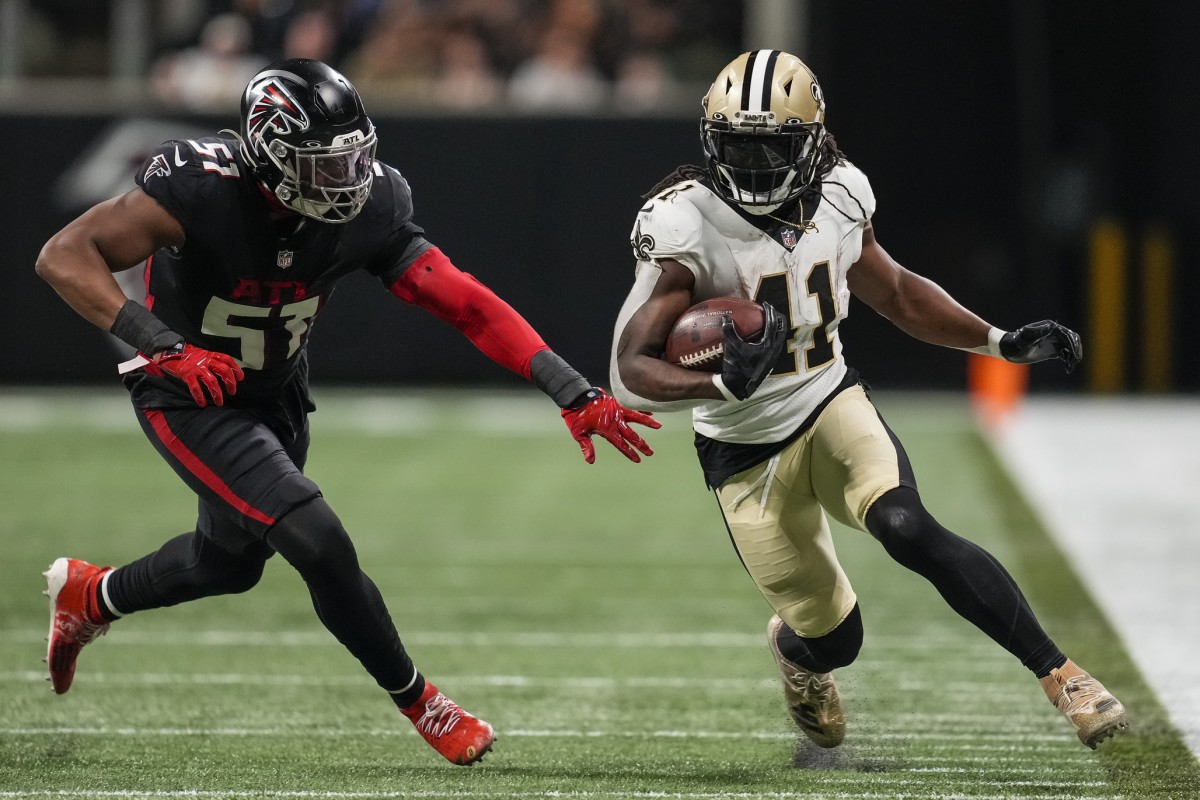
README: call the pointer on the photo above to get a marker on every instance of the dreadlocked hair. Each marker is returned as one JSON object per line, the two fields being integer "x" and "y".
{"x": 686, "y": 172}
{"x": 829, "y": 157}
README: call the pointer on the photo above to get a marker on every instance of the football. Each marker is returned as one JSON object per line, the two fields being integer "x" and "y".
{"x": 696, "y": 341}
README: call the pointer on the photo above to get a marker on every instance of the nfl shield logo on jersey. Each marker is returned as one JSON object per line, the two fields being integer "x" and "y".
{"x": 788, "y": 237}
{"x": 284, "y": 259}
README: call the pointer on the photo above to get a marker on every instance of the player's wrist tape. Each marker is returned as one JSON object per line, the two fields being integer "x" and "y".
{"x": 558, "y": 379}
{"x": 992, "y": 348}
{"x": 720, "y": 384}
{"x": 137, "y": 327}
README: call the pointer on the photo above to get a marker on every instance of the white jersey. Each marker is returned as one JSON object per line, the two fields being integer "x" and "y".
{"x": 801, "y": 273}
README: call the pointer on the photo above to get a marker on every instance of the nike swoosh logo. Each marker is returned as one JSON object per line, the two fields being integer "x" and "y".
{"x": 179, "y": 162}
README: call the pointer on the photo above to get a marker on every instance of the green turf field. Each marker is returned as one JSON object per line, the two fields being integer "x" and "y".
{"x": 596, "y": 616}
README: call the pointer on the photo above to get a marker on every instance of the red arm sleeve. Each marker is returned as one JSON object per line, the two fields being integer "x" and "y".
{"x": 492, "y": 325}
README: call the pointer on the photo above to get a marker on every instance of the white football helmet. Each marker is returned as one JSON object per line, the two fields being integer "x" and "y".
{"x": 763, "y": 127}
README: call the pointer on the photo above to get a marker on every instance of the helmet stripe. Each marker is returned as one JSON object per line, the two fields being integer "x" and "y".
{"x": 768, "y": 80}
{"x": 760, "y": 68}
{"x": 746, "y": 79}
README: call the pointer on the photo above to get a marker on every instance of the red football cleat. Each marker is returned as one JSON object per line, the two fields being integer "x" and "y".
{"x": 461, "y": 738}
{"x": 69, "y": 585}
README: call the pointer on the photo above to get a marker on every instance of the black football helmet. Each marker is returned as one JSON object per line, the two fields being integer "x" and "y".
{"x": 763, "y": 127}
{"x": 307, "y": 135}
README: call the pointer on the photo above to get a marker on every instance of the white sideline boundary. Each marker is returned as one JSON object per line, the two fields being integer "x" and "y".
{"x": 1115, "y": 481}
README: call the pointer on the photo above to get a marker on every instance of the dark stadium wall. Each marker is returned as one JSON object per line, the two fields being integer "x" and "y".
{"x": 992, "y": 152}
{"x": 538, "y": 209}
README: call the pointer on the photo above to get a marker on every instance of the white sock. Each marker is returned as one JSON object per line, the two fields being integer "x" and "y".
{"x": 104, "y": 598}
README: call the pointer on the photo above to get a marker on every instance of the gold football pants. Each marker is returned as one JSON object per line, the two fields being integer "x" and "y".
{"x": 776, "y": 510}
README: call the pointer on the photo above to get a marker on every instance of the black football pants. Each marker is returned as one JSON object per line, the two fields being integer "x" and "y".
{"x": 254, "y": 500}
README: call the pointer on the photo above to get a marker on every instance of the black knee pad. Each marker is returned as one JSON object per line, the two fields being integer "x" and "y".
{"x": 311, "y": 538}
{"x": 900, "y": 522}
{"x": 838, "y": 648}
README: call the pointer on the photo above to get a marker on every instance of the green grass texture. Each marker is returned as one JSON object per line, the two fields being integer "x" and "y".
{"x": 597, "y": 616}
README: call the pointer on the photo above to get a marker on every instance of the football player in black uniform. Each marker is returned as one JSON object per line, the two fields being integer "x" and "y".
{"x": 244, "y": 236}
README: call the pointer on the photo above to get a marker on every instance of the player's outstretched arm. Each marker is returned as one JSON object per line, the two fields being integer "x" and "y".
{"x": 913, "y": 303}
{"x": 922, "y": 309}
{"x": 115, "y": 235}
{"x": 493, "y": 326}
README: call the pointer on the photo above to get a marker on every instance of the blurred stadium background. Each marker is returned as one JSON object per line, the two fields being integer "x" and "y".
{"x": 1035, "y": 157}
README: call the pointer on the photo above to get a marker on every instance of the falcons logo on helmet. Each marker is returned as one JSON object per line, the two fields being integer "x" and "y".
{"x": 274, "y": 110}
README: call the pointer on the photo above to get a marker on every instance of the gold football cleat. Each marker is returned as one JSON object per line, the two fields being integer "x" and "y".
{"x": 812, "y": 697}
{"x": 1086, "y": 704}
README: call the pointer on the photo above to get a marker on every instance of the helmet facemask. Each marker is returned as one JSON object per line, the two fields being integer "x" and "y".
{"x": 761, "y": 167}
{"x": 326, "y": 182}
{"x": 763, "y": 130}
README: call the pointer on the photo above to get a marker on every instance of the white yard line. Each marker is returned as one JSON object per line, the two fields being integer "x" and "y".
{"x": 1116, "y": 483}
{"x": 202, "y": 794}
{"x": 580, "y": 684}
{"x": 286, "y": 680}
{"x": 1011, "y": 741}
{"x": 535, "y": 639}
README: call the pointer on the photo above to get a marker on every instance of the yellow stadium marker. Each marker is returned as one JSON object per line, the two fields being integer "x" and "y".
{"x": 1155, "y": 344}
{"x": 1107, "y": 317}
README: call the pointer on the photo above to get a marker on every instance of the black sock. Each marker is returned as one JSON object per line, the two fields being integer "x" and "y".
{"x": 410, "y": 695}
{"x": 1045, "y": 659}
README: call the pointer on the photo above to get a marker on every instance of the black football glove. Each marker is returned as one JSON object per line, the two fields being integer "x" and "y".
{"x": 745, "y": 364}
{"x": 1039, "y": 341}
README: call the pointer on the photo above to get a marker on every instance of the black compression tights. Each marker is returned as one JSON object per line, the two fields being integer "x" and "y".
{"x": 969, "y": 578}
{"x": 312, "y": 539}
{"x": 187, "y": 567}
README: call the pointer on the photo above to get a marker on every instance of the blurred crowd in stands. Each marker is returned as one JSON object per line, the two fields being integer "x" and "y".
{"x": 539, "y": 56}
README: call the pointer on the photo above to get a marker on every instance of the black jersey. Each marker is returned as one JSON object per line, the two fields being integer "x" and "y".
{"x": 249, "y": 285}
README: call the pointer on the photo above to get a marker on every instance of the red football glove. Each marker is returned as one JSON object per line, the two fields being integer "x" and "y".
{"x": 603, "y": 415}
{"x": 200, "y": 368}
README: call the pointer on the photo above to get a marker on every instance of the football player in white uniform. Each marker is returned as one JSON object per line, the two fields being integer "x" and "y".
{"x": 786, "y": 432}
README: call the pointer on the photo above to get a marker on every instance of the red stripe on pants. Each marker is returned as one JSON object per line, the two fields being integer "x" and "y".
{"x": 194, "y": 465}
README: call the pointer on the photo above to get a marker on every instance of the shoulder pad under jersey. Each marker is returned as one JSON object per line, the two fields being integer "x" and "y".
{"x": 669, "y": 225}
{"x": 847, "y": 188}
{"x": 183, "y": 159}
{"x": 184, "y": 174}
{"x": 391, "y": 196}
